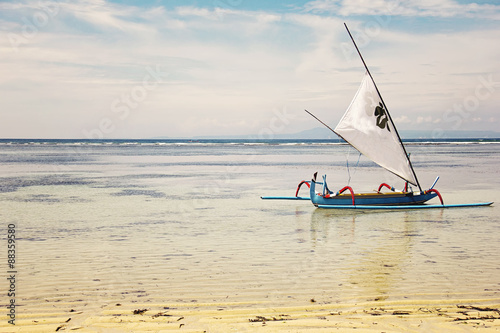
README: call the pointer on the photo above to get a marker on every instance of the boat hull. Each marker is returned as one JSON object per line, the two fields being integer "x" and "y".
{"x": 370, "y": 199}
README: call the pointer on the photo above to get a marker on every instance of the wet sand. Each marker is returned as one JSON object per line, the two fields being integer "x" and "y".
{"x": 450, "y": 315}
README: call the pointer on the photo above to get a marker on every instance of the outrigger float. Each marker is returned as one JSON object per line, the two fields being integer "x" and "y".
{"x": 368, "y": 127}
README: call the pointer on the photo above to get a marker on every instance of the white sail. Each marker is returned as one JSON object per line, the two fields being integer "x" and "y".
{"x": 368, "y": 128}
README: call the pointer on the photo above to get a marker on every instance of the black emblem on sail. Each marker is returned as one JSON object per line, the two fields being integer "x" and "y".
{"x": 382, "y": 118}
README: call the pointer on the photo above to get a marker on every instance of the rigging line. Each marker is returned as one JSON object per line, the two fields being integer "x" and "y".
{"x": 355, "y": 167}
{"x": 357, "y": 163}
{"x": 347, "y": 162}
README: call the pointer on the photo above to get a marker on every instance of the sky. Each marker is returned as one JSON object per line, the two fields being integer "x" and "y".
{"x": 172, "y": 68}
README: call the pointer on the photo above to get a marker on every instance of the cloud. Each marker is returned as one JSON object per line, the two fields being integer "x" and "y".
{"x": 427, "y": 8}
{"x": 402, "y": 120}
{"x": 226, "y": 69}
{"x": 91, "y": 53}
{"x": 421, "y": 120}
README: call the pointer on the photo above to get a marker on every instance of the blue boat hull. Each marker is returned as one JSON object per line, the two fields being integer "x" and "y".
{"x": 370, "y": 199}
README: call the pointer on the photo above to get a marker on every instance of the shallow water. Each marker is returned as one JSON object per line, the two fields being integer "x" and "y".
{"x": 185, "y": 223}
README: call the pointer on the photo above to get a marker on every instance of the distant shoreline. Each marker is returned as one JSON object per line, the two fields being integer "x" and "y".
{"x": 315, "y": 134}
{"x": 224, "y": 141}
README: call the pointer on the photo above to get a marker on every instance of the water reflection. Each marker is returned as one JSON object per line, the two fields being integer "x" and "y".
{"x": 374, "y": 250}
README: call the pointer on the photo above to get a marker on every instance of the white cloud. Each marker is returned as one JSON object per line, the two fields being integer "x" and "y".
{"x": 427, "y": 8}
{"x": 402, "y": 120}
{"x": 421, "y": 120}
{"x": 227, "y": 69}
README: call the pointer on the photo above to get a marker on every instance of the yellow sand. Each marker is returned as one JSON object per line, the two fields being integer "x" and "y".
{"x": 450, "y": 315}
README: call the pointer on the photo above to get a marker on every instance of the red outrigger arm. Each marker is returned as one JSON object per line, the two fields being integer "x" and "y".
{"x": 350, "y": 190}
{"x": 308, "y": 183}
{"x": 343, "y": 190}
{"x": 431, "y": 190}
{"x": 385, "y": 185}
{"x": 438, "y": 194}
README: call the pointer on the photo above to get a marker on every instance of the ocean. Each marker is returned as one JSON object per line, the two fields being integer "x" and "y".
{"x": 137, "y": 222}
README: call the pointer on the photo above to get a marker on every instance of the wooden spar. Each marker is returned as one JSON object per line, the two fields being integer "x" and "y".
{"x": 385, "y": 106}
{"x": 321, "y": 121}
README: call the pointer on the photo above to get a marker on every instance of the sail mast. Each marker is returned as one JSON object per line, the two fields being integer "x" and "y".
{"x": 385, "y": 106}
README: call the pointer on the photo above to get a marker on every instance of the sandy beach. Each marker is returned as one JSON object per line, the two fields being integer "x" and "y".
{"x": 153, "y": 238}
{"x": 450, "y": 315}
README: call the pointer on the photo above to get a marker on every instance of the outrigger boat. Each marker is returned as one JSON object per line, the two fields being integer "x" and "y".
{"x": 368, "y": 127}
